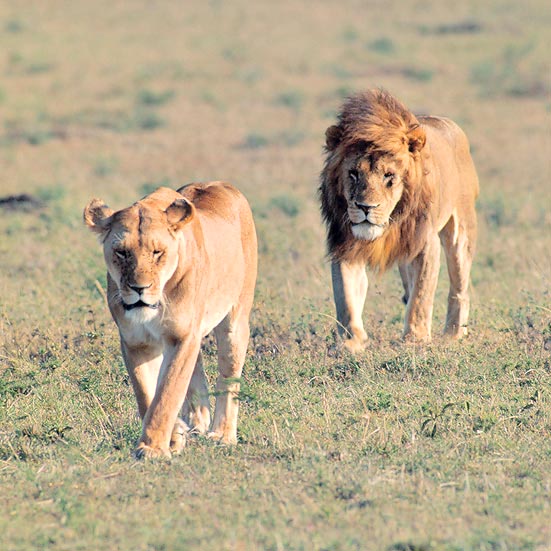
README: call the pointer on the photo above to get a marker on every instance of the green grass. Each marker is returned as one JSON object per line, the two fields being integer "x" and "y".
{"x": 445, "y": 447}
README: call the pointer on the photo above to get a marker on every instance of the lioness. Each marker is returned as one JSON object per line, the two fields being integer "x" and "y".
{"x": 393, "y": 188}
{"x": 180, "y": 264}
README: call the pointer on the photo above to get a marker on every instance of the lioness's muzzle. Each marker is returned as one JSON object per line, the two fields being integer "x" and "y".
{"x": 140, "y": 304}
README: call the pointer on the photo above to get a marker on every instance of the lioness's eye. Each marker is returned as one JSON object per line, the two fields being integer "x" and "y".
{"x": 121, "y": 253}
{"x": 157, "y": 254}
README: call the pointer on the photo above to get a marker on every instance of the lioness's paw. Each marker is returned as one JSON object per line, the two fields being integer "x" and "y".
{"x": 177, "y": 442}
{"x": 148, "y": 452}
{"x": 354, "y": 345}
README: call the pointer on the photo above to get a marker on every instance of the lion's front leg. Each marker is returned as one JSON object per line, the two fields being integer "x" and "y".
{"x": 349, "y": 291}
{"x": 163, "y": 432}
{"x": 423, "y": 278}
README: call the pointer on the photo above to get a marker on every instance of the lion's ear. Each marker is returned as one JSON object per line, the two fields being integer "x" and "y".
{"x": 98, "y": 216}
{"x": 333, "y": 137}
{"x": 179, "y": 214}
{"x": 416, "y": 138}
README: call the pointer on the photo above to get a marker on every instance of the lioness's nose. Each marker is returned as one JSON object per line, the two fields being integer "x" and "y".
{"x": 139, "y": 288}
{"x": 365, "y": 207}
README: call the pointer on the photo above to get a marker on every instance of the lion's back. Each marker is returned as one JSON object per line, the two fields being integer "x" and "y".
{"x": 451, "y": 150}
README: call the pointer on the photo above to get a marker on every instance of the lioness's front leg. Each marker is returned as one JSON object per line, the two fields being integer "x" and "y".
{"x": 161, "y": 418}
{"x": 143, "y": 362}
{"x": 349, "y": 291}
{"x": 423, "y": 278}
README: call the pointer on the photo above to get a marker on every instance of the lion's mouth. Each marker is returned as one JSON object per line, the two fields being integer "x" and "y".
{"x": 140, "y": 304}
{"x": 367, "y": 223}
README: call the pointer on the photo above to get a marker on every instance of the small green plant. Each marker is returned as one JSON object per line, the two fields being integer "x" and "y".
{"x": 350, "y": 35}
{"x": 383, "y": 46}
{"x": 52, "y": 193}
{"x": 152, "y": 98}
{"x": 293, "y": 99}
{"x": 105, "y": 166}
{"x": 255, "y": 141}
{"x": 149, "y": 187}
{"x": 14, "y": 26}
{"x": 287, "y": 204}
{"x": 146, "y": 119}
{"x": 421, "y": 75}
{"x": 511, "y": 74}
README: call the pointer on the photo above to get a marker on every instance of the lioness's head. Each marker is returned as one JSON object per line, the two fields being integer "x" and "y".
{"x": 140, "y": 246}
{"x": 373, "y": 177}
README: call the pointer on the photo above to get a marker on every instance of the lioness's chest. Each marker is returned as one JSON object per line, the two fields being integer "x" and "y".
{"x": 142, "y": 327}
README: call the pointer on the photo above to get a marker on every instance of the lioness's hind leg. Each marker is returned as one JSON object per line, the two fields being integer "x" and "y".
{"x": 232, "y": 337}
{"x": 459, "y": 239}
{"x": 196, "y": 409}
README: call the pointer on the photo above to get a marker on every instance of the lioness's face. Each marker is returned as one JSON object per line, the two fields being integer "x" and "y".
{"x": 373, "y": 186}
{"x": 141, "y": 256}
{"x": 141, "y": 247}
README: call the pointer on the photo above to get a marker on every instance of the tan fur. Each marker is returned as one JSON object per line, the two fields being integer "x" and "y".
{"x": 188, "y": 259}
{"x": 393, "y": 185}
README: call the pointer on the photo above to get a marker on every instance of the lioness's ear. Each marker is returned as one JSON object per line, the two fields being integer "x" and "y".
{"x": 98, "y": 216}
{"x": 333, "y": 136}
{"x": 179, "y": 214}
{"x": 416, "y": 138}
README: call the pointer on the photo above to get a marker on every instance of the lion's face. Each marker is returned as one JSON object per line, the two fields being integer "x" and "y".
{"x": 141, "y": 250}
{"x": 373, "y": 186}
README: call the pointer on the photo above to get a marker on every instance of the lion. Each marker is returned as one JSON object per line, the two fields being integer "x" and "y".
{"x": 393, "y": 187}
{"x": 179, "y": 265}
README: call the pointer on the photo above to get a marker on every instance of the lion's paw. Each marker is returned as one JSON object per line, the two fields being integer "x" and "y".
{"x": 221, "y": 438}
{"x": 143, "y": 451}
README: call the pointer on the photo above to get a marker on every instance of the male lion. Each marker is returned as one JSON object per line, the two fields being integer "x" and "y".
{"x": 392, "y": 187}
{"x": 180, "y": 264}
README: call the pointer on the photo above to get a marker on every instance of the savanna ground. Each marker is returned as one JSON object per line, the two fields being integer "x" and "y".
{"x": 443, "y": 447}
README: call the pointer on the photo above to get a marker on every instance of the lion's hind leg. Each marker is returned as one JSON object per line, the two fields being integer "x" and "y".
{"x": 196, "y": 409}
{"x": 459, "y": 239}
{"x": 232, "y": 337}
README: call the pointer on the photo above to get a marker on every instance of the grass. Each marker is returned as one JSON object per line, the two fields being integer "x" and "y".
{"x": 437, "y": 448}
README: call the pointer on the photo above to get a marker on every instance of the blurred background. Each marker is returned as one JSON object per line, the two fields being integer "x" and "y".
{"x": 114, "y": 98}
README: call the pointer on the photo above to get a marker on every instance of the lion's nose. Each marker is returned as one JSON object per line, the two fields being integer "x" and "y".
{"x": 365, "y": 207}
{"x": 139, "y": 288}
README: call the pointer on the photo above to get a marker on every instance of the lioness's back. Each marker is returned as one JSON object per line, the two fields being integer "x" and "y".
{"x": 218, "y": 198}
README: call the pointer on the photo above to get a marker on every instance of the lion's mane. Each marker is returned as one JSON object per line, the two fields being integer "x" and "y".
{"x": 376, "y": 122}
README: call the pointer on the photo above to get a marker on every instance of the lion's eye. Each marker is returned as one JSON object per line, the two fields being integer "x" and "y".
{"x": 389, "y": 174}
{"x": 389, "y": 177}
{"x": 353, "y": 174}
{"x": 121, "y": 253}
{"x": 157, "y": 254}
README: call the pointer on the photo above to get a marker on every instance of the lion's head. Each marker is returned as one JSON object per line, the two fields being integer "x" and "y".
{"x": 373, "y": 195}
{"x": 140, "y": 245}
